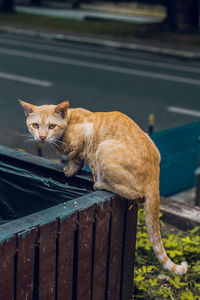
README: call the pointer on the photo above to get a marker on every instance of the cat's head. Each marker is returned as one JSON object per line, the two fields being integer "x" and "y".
{"x": 47, "y": 123}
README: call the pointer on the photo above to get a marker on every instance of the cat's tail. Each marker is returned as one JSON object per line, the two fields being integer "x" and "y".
{"x": 152, "y": 208}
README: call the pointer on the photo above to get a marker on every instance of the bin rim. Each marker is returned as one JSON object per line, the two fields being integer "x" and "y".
{"x": 63, "y": 210}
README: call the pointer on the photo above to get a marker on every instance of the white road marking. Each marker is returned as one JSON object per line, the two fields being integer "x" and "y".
{"x": 102, "y": 67}
{"x": 25, "y": 79}
{"x": 183, "y": 111}
{"x": 112, "y": 57}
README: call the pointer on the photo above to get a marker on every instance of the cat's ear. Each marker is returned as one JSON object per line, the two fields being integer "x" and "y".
{"x": 28, "y": 108}
{"x": 62, "y": 108}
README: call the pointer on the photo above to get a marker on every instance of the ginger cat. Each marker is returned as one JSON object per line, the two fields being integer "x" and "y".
{"x": 123, "y": 158}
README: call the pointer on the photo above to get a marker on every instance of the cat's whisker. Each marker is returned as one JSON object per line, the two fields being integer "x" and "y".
{"x": 52, "y": 142}
{"x": 28, "y": 141}
{"x": 61, "y": 142}
{"x": 27, "y": 135}
{"x": 55, "y": 140}
{"x": 28, "y": 138}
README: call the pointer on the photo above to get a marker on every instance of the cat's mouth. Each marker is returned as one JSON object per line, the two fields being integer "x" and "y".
{"x": 47, "y": 141}
{"x": 43, "y": 140}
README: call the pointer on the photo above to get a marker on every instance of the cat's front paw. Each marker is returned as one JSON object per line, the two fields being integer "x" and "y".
{"x": 71, "y": 169}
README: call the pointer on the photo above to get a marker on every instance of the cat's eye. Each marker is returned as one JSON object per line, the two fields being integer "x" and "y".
{"x": 52, "y": 126}
{"x": 35, "y": 125}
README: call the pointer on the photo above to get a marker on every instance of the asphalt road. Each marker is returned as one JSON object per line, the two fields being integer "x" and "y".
{"x": 96, "y": 78}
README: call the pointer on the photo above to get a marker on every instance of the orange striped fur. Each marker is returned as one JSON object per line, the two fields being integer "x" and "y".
{"x": 123, "y": 158}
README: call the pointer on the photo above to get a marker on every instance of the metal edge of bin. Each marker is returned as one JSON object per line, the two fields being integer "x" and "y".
{"x": 64, "y": 210}
{"x": 46, "y": 168}
{"x": 41, "y": 162}
{"x": 30, "y": 158}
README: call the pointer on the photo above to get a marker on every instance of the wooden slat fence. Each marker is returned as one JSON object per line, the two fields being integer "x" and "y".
{"x": 79, "y": 250}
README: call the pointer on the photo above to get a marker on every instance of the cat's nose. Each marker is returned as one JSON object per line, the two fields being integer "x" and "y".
{"x": 42, "y": 137}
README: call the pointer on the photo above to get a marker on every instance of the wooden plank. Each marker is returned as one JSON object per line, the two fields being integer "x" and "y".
{"x": 116, "y": 247}
{"x": 65, "y": 258}
{"x": 7, "y": 269}
{"x": 25, "y": 264}
{"x": 50, "y": 214}
{"x": 47, "y": 261}
{"x": 85, "y": 252}
{"x": 102, "y": 226}
{"x": 129, "y": 252}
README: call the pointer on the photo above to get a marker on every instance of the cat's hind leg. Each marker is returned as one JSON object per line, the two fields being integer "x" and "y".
{"x": 118, "y": 170}
{"x": 100, "y": 185}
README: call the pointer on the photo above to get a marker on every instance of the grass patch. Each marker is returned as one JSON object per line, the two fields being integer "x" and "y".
{"x": 127, "y": 31}
{"x": 66, "y": 25}
{"x": 151, "y": 280}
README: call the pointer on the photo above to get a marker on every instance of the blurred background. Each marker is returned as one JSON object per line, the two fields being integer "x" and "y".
{"x": 138, "y": 57}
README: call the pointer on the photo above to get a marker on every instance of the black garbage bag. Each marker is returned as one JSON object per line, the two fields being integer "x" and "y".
{"x": 23, "y": 192}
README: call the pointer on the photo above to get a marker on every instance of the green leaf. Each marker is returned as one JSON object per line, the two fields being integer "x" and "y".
{"x": 197, "y": 285}
{"x": 195, "y": 230}
{"x": 188, "y": 295}
{"x": 139, "y": 278}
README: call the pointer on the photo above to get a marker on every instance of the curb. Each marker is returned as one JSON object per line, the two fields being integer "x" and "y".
{"x": 101, "y": 42}
{"x": 86, "y": 15}
{"x": 180, "y": 214}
